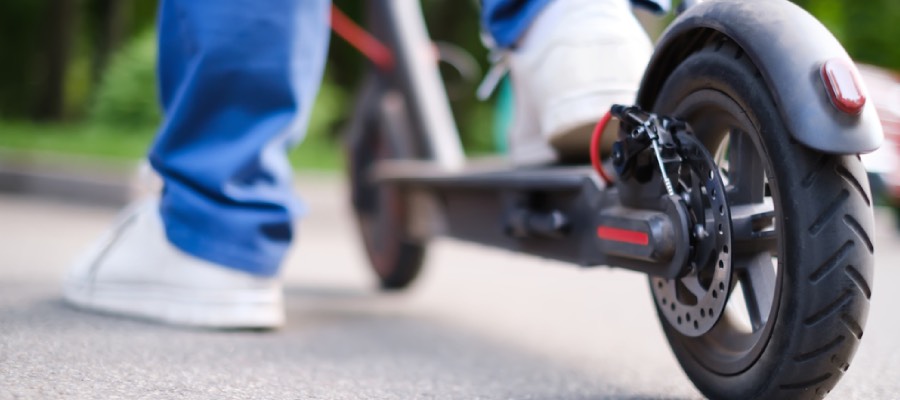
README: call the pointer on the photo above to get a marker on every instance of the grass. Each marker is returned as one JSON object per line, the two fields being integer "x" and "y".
{"x": 75, "y": 139}
{"x": 317, "y": 152}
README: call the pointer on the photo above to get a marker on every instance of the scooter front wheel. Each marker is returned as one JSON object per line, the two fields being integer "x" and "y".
{"x": 381, "y": 211}
{"x": 801, "y": 243}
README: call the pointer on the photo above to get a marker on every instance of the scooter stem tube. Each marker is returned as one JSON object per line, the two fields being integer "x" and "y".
{"x": 417, "y": 62}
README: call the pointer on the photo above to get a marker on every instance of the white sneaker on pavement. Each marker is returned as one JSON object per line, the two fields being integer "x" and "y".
{"x": 135, "y": 271}
{"x": 577, "y": 59}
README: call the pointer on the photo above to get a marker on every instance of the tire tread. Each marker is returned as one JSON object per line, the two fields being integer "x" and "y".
{"x": 855, "y": 226}
{"x": 829, "y": 309}
{"x": 832, "y": 262}
{"x": 859, "y": 280}
{"x": 829, "y": 212}
{"x": 807, "y": 384}
{"x": 820, "y": 351}
{"x": 853, "y": 181}
{"x": 842, "y": 299}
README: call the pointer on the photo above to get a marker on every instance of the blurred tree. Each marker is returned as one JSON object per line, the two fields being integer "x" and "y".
{"x": 107, "y": 22}
{"x": 60, "y": 20}
{"x": 43, "y": 42}
{"x": 50, "y": 46}
{"x": 20, "y": 52}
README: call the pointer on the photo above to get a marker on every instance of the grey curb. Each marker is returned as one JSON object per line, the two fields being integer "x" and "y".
{"x": 68, "y": 178}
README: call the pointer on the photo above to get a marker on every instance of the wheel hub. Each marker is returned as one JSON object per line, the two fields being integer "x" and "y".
{"x": 693, "y": 302}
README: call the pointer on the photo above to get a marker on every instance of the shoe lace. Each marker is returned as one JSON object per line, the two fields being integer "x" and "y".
{"x": 499, "y": 59}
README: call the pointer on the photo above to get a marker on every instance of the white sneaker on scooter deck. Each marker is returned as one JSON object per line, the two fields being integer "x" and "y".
{"x": 577, "y": 59}
{"x": 135, "y": 271}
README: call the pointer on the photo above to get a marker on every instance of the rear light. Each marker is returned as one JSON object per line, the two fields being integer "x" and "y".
{"x": 843, "y": 85}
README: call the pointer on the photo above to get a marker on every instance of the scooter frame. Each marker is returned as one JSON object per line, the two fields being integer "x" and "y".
{"x": 567, "y": 213}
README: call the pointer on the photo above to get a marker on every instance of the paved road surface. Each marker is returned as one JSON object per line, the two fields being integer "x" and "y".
{"x": 480, "y": 324}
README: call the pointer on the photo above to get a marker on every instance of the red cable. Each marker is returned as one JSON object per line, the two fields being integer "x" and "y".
{"x": 596, "y": 141}
{"x": 368, "y": 45}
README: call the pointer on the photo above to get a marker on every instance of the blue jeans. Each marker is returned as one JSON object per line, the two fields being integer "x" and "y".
{"x": 507, "y": 20}
{"x": 237, "y": 82}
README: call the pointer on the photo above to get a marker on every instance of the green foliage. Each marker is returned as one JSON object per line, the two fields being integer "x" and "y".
{"x": 127, "y": 96}
{"x": 872, "y": 32}
{"x": 21, "y": 40}
{"x": 29, "y": 36}
{"x": 868, "y": 30}
{"x": 78, "y": 87}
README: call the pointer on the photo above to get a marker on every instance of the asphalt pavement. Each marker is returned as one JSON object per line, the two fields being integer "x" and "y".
{"x": 480, "y": 324}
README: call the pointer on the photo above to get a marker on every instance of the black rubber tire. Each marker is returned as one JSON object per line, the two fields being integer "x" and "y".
{"x": 826, "y": 254}
{"x": 381, "y": 212}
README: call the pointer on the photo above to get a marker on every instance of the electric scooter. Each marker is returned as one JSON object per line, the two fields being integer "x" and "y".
{"x": 734, "y": 181}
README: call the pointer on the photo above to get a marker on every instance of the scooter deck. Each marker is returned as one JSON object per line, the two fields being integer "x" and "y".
{"x": 550, "y": 211}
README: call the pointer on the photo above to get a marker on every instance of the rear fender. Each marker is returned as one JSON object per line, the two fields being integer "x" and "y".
{"x": 788, "y": 47}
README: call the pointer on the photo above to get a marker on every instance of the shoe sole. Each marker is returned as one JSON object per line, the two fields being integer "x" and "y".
{"x": 569, "y": 123}
{"x": 222, "y": 309}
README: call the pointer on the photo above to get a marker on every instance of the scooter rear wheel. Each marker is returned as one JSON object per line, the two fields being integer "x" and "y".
{"x": 802, "y": 262}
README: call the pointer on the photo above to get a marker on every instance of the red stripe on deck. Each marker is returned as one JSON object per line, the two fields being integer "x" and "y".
{"x": 623, "y": 235}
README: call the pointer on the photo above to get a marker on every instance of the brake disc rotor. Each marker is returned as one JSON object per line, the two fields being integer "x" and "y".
{"x": 694, "y": 302}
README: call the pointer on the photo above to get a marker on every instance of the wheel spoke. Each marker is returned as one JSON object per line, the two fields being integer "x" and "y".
{"x": 753, "y": 228}
{"x": 758, "y": 277}
{"x": 746, "y": 173}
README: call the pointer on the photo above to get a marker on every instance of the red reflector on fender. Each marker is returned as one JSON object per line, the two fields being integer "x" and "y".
{"x": 843, "y": 84}
{"x": 623, "y": 235}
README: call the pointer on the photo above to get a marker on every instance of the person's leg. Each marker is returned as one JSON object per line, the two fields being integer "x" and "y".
{"x": 237, "y": 82}
{"x": 569, "y": 61}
